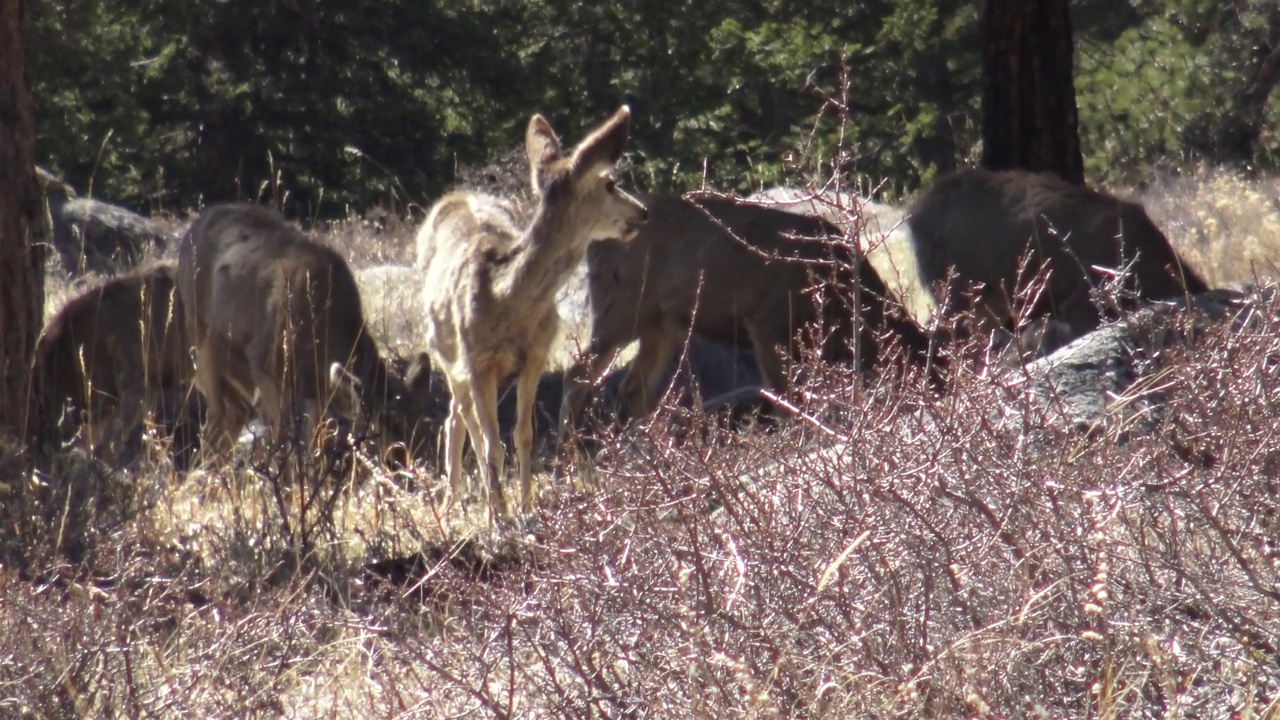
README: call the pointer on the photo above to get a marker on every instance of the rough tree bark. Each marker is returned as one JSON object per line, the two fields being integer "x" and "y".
{"x": 21, "y": 256}
{"x": 1029, "y": 118}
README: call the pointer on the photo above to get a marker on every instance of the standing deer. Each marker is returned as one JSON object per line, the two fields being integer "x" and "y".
{"x": 271, "y": 313}
{"x": 735, "y": 272}
{"x": 983, "y": 223}
{"x": 490, "y": 287}
{"x": 110, "y": 353}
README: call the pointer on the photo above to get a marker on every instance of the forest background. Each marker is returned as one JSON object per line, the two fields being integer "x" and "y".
{"x": 341, "y": 106}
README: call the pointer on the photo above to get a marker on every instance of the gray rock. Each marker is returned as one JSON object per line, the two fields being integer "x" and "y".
{"x": 1101, "y": 375}
{"x": 94, "y": 236}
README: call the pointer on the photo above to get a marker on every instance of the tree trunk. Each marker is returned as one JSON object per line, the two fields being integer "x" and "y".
{"x": 1029, "y": 118}
{"x": 21, "y": 254}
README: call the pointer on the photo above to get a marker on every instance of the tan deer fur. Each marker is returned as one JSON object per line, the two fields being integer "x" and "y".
{"x": 490, "y": 288}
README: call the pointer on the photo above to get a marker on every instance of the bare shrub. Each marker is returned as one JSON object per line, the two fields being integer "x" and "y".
{"x": 888, "y": 555}
{"x": 886, "y": 552}
{"x": 883, "y": 552}
{"x": 381, "y": 236}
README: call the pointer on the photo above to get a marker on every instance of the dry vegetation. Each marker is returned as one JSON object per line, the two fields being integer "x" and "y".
{"x": 890, "y": 553}
{"x": 1224, "y": 223}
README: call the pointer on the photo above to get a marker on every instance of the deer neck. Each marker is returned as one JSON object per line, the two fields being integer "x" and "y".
{"x": 546, "y": 254}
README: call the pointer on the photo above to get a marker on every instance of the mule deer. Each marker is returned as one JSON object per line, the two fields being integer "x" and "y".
{"x": 982, "y": 223}
{"x": 737, "y": 273}
{"x": 109, "y": 353}
{"x": 490, "y": 288}
{"x": 270, "y": 311}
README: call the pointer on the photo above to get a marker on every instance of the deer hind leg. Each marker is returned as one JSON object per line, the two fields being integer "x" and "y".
{"x": 658, "y": 347}
{"x": 461, "y": 417}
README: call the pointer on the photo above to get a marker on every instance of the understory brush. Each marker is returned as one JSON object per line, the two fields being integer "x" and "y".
{"x": 884, "y": 550}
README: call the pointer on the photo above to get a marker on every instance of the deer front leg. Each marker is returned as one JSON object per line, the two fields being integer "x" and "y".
{"x": 98, "y": 431}
{"x": 270, "y": 405}
{"x": 274, "y": 374}
{"x": 125, "y": 433}
{"x": 768, "y": 356}
{"x": 227, "y": 411}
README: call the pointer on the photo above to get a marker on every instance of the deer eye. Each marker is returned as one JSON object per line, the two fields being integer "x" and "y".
{"x": 610, "y": 185}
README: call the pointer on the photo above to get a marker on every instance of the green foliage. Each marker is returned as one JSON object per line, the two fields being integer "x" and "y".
{"x": 322, "y": 107}
{"x": 179, "y": 103}
{"x": 327, "y": 107}
{"x": 1152, "y": 95}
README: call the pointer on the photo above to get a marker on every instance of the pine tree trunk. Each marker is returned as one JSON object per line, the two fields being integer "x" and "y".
{"x": 1029, "y": 118}
{"x": 21, "y": 255}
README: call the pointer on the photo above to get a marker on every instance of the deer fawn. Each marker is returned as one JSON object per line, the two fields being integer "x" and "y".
{"x": 490, "y": 288}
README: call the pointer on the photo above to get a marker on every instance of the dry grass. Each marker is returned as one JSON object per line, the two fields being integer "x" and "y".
{"x": 889, "y": 554}
{"x": 1226, "y": 224}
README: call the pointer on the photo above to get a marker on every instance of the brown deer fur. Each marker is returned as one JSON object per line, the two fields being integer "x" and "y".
{"x": 110, "y": 352}
{"x": 736, "y": 272}
{"x": 982, "y": 223}
{"x": 490, "y": 287}
{"x": 270, "y": 311}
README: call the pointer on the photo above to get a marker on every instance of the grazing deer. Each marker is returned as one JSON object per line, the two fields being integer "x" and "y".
{"x": 736, "y": 273}
{"x": 490, "y": 287}
{"x": 981, "y": 224}
{"x": 110, "y": 353}
{"x": 270, "y": 312}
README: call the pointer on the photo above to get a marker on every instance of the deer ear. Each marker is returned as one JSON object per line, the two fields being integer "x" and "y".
{"x": 604, "y": 146}
{"x": 543, "y": 148}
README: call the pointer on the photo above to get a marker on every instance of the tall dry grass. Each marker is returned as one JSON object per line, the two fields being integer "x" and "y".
{"x": 1224, "y": 222}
